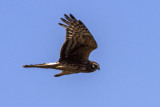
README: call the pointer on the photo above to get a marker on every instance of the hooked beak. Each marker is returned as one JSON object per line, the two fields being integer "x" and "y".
{"x": 98, "y": 68}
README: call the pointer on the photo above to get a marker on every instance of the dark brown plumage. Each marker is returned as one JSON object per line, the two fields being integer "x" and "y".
{"x": 75, "y": 51}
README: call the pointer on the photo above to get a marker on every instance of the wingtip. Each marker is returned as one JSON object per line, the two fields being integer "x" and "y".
{"x": 60, "y": 23}
{"x": 65, "y": 26}
{"x": 62, "y": 19}
{"x": 65, "y": 14}
{"x": 72, "y": 16}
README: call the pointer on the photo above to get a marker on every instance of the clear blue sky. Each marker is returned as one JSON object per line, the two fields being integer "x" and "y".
{"x": 128, "y": 36}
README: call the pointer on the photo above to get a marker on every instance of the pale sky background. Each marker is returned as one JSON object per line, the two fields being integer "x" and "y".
{"x": 128, "y": 37}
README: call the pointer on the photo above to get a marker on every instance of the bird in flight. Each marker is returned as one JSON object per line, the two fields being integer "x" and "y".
{"x": 75, "y": 51}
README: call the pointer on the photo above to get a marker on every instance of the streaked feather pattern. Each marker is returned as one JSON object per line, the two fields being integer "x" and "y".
{"x": 75, "y": 50}
{"x": 79, "y": 41}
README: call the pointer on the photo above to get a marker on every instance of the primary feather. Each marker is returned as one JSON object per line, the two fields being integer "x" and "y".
{"x": 75, "y": 50}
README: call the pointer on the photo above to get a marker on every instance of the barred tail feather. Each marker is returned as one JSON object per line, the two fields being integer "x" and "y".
{"x": 45, "y": 65}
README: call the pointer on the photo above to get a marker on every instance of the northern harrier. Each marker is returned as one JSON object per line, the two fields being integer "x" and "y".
{"x": 75, "y": 50}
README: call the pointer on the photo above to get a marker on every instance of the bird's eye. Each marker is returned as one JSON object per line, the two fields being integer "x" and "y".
{"x": 93, "y": 66}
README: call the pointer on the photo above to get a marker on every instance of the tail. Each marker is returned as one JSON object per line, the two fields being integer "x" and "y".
{"x": 45, "y": 65}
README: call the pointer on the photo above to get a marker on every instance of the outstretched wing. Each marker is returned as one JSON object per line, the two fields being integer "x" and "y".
{"x": 79, "y": 41}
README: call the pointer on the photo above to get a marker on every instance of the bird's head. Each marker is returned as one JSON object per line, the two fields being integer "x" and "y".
{"x": 95, "y": 66}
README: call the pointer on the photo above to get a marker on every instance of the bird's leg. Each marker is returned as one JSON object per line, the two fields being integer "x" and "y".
{"x": 59, "y": 74}
{"x": 64, "y": 73}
